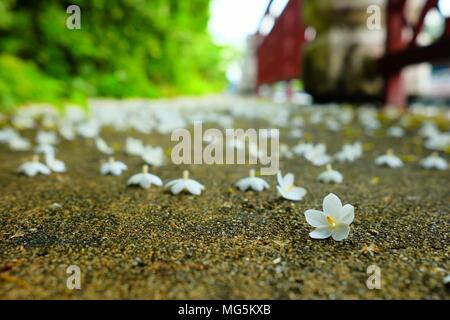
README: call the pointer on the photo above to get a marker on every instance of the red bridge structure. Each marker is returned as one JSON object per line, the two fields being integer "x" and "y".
{"x": 279, "y": 55}
{"x": 401, "y": 52}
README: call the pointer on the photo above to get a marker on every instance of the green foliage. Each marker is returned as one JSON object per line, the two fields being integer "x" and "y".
{"x": 125, "y": 48}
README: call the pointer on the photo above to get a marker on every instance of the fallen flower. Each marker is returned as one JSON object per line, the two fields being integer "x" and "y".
{"x": 252, "y": 182}
{"x": 287, "y": 189}
{"x": 389, "y": 159}
{"x": 103, "y": 147}
{"x": 34, "y": 167}
{"x": 396, "y": 132}
{"x": 53, "y": 164}
{"x": 434, "y": 162}
{"x": 330, "y": 176}
{"x": 113, "y": 167}
{"x": 46, "y": 137}
{"x": 144, "y": 179}
{"x": 333, "y": 221}
{"x": 153, "y": 155}
{"x": 178, "y": 185}
{"x": 134, "y": 147}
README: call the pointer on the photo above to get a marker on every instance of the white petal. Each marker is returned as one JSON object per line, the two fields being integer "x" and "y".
{"x": 154, "y": 179}
{"x": 316, "y": 218}
{"x": 340, "y": 232}
{"x": 194, "y": 187}
{"x": 347, "y": 214}
{"x": 243, "y": 184}
{"x": 332, "y": 205}
{"x": 288, "y": 179}
{"x": 134, "y": 179}
{"x": 178, "y": 187}
{"x": 280, "y": 178}
{"x": 171, "y": 183}
{"x": 321, "y": 233}
{"x": 145, "y": 183}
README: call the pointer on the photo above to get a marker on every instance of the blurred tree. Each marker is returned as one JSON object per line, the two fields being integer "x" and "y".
{"x": 125, "y": 48}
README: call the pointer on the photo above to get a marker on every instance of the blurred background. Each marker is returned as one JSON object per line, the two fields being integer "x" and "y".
{"x": 390, "y": 52}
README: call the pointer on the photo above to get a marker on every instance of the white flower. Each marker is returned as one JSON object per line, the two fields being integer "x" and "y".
{"x": 317, "y": 155}
{"x": 178, "y": 185}
{"x": 7, "y": 134}
{"x": 396, "y": 132}
{"x": 333, "y": 221}
{"x": 389, "y": 159}
{"x": 330, "y": 176}
{"x": 88, "y": 130}
{"x": 46, "y": 137}
{"x": 45, "y": 149}
{"x": 434, "y": 162}
{"x": 285, "y": 152}
{"x": 153, "y": 156}
{"x": 302, "y": 148}
{"x": 66, "y": 131}
{"x": 18, "y": 143}
{"x": 134, "y": 147}
{"x": 103, "y": 147}
{"x": 439, "y": 141}
{"x": 349, "y": 152}
{"x": 252, "y": 182}
{"x": 34, "y": 167}
{"x": 144, "y": 179}
{"x": 287, "y": 189}
{"x": 296, "y": 133}
{"x": 53, "y": 164}
{"x": 113, "y": 167}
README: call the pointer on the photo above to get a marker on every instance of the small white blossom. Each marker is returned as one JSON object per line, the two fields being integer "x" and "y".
{"x": 302, "y": 148}
{"x": 333, "y": 221}
{"x": 349, "y": 152}
{"x": 252, "y": 182}
{"x": 144, "y": 179}
{"x": 113, "y": 167}
{"x": 439, "y": 141}
{"x": 66, "y": 131}
{"x": 434, "y": 162}
{"x": 134, "y": 147}
{"x": 88, "y": 130}
{"x": 103, "y": 147}
{"x": 178, "y": 185}
{"x": 389, "y": 160}
{"x": 53, "y": 164}
{"x": 287, "y": 189}
{"x": 46, "y": 137}
{"x": 396, "y": 132}
{"x": 317, "y": 155}
{"x": 330, "y": 176}
{"x": 18, "y": 143}
{"x": 34, "y": 167}
{"x": 153, "y": 156}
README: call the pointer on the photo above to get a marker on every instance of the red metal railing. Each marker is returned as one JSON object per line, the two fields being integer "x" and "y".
{"x": 401, "y": 52}
{"x": 279, "y": 53}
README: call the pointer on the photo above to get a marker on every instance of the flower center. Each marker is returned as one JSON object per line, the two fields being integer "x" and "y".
{"x": 145, "y": 168}
{"x": 331, "y": 221}
{"x": 185, "y": 175}
{"x": 252, "y": 173}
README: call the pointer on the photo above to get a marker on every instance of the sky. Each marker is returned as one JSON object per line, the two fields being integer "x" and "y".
{"x": 233, "y": 20}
